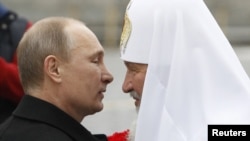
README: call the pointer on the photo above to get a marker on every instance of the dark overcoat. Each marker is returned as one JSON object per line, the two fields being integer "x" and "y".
{"x": 37, "y": 120}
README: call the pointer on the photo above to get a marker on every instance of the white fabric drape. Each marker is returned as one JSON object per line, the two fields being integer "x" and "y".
{"x": 194, "y": 77}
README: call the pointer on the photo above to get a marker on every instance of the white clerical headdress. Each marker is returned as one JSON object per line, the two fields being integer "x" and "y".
{"x": 194, "y": 77}
{"x": 135, "y": 45}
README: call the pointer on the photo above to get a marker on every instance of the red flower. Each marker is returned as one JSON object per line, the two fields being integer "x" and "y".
{"x": 119, "y": 136}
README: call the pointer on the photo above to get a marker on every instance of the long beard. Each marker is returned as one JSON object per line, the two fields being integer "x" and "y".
{"x": 132, "y": 130}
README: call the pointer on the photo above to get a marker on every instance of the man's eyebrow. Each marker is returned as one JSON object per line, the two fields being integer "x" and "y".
{"x": 99, "y": 53}
{"x": 131, "y": 66}
{"x": 127, "y": 64}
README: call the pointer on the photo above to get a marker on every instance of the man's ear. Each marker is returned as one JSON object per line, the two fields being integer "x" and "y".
{"x": 52, "y": 68}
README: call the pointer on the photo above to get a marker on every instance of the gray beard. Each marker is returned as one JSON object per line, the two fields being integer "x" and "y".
{"x": 132, "y": 130}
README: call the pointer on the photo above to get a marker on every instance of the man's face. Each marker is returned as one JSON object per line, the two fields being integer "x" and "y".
{"x": 134, "y": 80}
{"x": 86, "y": 76}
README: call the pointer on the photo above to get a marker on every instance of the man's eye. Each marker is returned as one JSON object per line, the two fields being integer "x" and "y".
{"x": 96, "y": 60}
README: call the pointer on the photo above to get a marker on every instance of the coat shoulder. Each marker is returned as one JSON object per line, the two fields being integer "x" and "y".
{"x": 14, "y": 130}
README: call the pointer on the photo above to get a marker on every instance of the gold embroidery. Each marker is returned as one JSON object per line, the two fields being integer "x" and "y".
{"x": 126, "y": 31}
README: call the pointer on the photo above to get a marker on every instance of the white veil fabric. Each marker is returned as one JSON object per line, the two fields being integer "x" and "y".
{"x": 194, "y": 77}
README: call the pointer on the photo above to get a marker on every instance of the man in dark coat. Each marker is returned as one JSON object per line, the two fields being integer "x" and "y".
{"x": 64, "y": 77}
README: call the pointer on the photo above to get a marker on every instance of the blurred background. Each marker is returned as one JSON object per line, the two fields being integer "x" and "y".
{"x": 105, "y": 18}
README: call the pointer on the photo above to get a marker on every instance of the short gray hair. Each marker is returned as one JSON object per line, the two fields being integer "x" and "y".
{"x": 46, "y": 37}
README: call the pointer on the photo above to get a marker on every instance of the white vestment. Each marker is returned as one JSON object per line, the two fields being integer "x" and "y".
{"x": 194, "y": 77}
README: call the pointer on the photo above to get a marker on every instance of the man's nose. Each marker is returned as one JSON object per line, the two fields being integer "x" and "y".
{"x": 127, "y": 85}
{"x": 107, "y": 76}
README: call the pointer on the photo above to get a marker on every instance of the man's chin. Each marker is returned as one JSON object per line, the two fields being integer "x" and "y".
{"x": 98, "y": 108}
{"x": 137, "y": 109}
{"x": 137, "y": 103}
